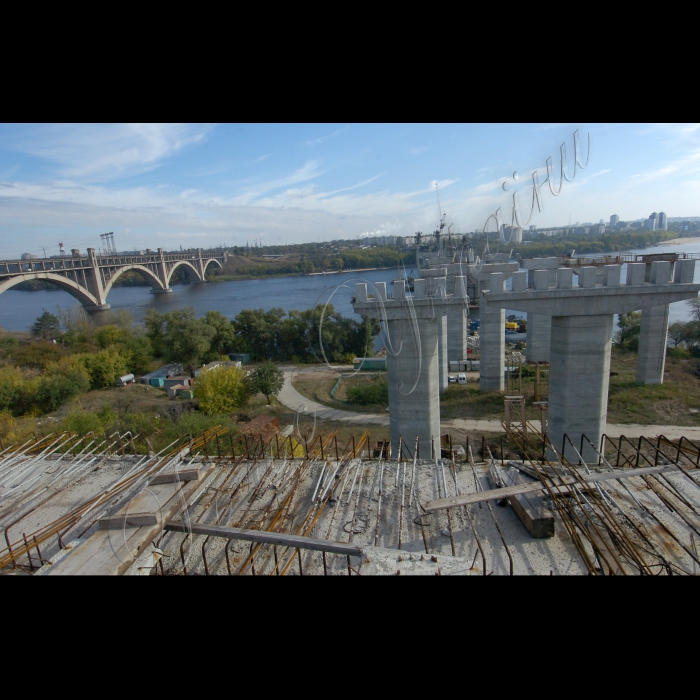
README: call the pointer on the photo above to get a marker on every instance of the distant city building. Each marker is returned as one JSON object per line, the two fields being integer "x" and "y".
{"x": 601, "y": 222}
{"x": 614, "y": 220}
{"x": 598, "y": 228}
{"x": 581, "y": 231}
{"x": 533, "y": 227}
{"x": 662, "y": 222}
{"x": 650, "y": 223}
{"x": 28, "y": 256}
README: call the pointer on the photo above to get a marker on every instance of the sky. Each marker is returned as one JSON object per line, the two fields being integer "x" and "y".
{"x": 205, "y": 185}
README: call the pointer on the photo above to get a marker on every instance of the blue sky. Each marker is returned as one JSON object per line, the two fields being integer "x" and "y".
{"x": 204, "y": 185}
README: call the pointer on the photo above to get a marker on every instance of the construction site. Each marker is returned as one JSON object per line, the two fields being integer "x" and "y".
{"x": 277, "y": 505}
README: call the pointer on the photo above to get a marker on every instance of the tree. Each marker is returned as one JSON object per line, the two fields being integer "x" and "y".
{"x": 694, "y": 305}
{"x": 187, "y": 339}
{"x": 104, "y": 367}
{"x": 257, "y": 332}
{"x": 677, "y": 333}
{"x": 628, "y": 335}
{"x": 109, "y": 335}
{"x": 267, "y": 380}
{"x": 222, "y": 390}
{"x": 47, "y": 326}
{"x": 225, "y": 338}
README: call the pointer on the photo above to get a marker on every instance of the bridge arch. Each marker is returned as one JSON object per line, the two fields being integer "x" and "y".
{"x": 67, "y": 285}
{"x": 147, "y": 274}
{"x": 206, "y": 264}
{"x": 188, "y": 264}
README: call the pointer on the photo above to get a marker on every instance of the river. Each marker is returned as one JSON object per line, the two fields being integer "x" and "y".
{"x": 18, "y": 310}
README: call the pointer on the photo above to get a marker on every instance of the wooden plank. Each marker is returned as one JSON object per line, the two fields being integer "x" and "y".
{"x": 117, "y": 522}
{"x": 171, "y": 477}
{"x": 264, "y": 537}
{"x": 498, "y": 494}
{"x": 538, "y": 521}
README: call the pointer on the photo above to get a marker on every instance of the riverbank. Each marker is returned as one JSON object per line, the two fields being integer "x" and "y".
{"x": 680, "y": 241}
{"x": 240, "y": 278}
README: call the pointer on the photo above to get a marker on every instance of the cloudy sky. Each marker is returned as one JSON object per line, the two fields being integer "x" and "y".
{"x": 201, "y": 185}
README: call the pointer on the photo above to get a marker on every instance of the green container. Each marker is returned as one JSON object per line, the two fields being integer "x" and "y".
{"x": 185, "y": 393}
{"x": 374, "y": 364}
{"x": 156, "y": 381}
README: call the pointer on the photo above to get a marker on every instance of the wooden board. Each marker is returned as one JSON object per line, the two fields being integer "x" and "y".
{"x": 497, "y": 494}
{"x": 171, "y": 477}
{"x": 117, "y": 522}
{"x": 265, "y": 537}
{"x": 529, "y": 507}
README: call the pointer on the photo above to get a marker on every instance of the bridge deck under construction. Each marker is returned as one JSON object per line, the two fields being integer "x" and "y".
{"x": 77, "y": 505}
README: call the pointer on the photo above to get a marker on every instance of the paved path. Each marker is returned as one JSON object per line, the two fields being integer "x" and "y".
{"x": 291, "y": 398}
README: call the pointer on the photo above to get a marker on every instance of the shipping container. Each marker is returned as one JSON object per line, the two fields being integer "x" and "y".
{"x": 242, "y": 357}
{"x": 156, "y": 381}
{"x": 172, "y": 390}
{"x": 185, "y": 393}
{"x": 373, "y": 364}
{"x": 126, "y": 379}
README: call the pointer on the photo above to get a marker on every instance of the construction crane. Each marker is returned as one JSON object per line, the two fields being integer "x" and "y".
{"x": 441, "y": 219}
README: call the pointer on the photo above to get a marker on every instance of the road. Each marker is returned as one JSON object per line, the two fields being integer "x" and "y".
{"x": 292, "y": 399}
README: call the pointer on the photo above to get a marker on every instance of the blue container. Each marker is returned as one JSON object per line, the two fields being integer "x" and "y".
{"x": 156, "y": 381}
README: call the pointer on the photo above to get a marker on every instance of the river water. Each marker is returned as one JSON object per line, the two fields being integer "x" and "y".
{"x": 18, "y": 310}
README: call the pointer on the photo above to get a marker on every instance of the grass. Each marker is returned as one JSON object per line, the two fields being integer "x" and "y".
{"x": 317, "y": 386}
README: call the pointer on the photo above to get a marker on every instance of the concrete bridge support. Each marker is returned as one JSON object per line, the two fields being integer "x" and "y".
{"x": 95, "y": 284}
{"x": 492, "y": 338}
{"x": 579, "y": 375}
{"x": 162, "y": 275}
{"x": 653, "y": 335}
{"x": 414, "y": 411}
{"x": 491, "y": 325}
{"x": 413, "y": 327}
{"x": 582, "y": 320}
{"x": 442, "y": 353}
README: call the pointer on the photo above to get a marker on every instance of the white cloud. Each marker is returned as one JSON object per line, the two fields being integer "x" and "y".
{"x": 321, "y": 139}
{"x": 103, "y": 151}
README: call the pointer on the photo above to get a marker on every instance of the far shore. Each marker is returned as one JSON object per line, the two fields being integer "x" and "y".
{"x": 680, "y": 241}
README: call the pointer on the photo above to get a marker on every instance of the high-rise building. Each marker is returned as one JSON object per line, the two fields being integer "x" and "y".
{"x": 662, "y": 222}
{"x": 613, "y": 220}
{"x": 650, "y": 223}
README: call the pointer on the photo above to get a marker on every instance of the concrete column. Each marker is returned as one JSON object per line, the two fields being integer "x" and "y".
{"x": 539, "y": 327}
{"x": 414, "y": 410}
{"x": 652, "y": 345}
{"x": 539, "y": 337}
{"x": 578, "y": 380}
{"x": 457, "y": 320}
{"x": 162, "y": 275}
{"x": 442, "y": 352}
{"x": 491, "y": 338}
{"x": 94, "y": 281}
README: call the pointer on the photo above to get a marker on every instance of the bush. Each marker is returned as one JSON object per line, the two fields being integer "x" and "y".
{"x": 376, "y": 392}
{"x": 37, "y": 355}
{"x": 679, "y": 353}
{"x": 82, "y": 422}
{"x": 222, "y": 390}
{"x": 104, "y": 367}
{"x": 267, "y": 380}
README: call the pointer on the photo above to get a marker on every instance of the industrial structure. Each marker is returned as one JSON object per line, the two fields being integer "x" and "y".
{"x": 90, "y": 277}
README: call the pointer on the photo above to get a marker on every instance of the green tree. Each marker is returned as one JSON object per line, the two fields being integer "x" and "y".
{"x": 267, "y": 380}
{"x": 628, "y": 335}
{"x": 109, "y": 335}
{"x": 38, "y": 355}
{"x": 47, "y": 326}
{"x": 225, "y": 338}
{"x": 222, "y": 390}
{"x": 187, "y": 339}
{"x": 104, "y": 367}
{"x": 156, "y": 323}
{"x": 694, "y": 305}
{"x": 257, "y": 332}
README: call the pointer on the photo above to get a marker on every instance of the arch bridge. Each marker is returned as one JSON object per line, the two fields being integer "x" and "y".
{"x": 89, "y": 278}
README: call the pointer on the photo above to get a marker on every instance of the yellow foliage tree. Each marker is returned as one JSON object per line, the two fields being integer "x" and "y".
{"x": 221, "y": 390}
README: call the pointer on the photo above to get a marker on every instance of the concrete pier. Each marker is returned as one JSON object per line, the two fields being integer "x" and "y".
{"x": 414, "y": 410}
{"x": 653, "y": 333}
{"x": 492, "y": 338}
{"x": 579, "y": 374}
{"x": 582, "y": 319}
{"x": 442, "y": 352}
{"x": 413, "y": 325}
{"x": 491, "y": 324}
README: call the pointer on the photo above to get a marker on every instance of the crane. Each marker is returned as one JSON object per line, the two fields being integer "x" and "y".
{"x": 441, "y": 219}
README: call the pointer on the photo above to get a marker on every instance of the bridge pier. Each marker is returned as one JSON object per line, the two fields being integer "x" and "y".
{"x": 161, "y": 291}
{"x": 101, "y": 307}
